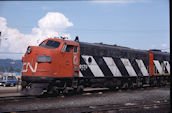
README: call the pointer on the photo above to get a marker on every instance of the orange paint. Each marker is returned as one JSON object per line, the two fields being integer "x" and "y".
{"x": 151, "y": 69}
{"x": 63, "y": 64}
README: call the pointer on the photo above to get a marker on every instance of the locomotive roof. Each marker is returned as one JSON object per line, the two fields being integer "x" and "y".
{"x": 160, "y": 53}
{"x": 101, "y": 45}
{"x": 84, "y": 44}
{"x": 107, "y": 46}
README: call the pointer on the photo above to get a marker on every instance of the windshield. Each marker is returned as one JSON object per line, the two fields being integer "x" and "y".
{"x": 42, "y": 44}
{"x": 50, "y": 44}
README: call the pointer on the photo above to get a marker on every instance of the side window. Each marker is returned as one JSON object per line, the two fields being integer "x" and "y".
{"x": 75, "y": 49}
{"x": 67, "y": 48}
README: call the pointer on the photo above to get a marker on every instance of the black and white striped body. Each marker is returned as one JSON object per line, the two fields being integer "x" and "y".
{"x": 100, "y": 60}
{"x": 161, "y": 63}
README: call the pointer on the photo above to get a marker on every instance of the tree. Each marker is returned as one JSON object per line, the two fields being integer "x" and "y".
{"x": 11, "y": 69}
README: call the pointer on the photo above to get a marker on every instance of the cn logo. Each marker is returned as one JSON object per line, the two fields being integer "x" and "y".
{"x": 27, "y": 64}
{"x": 75, "y": 60}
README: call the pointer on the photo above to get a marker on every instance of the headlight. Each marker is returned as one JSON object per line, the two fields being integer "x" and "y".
{"x": 28, "y": 50}
{"x": 44, "y": 59}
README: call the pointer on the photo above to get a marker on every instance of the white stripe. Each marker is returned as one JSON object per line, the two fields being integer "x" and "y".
{"x": 128, "y": 67}
{"x": 142, "y": 67}
{"x": 93, "y": 66}
{"x": 167, "y": 66}
{"x": 158, "y": 66}
{"x": 112, "y": 66}
{"x": 80, "y": 74}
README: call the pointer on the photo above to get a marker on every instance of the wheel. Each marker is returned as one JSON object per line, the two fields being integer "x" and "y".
{"x": 125, "y": 86}
{"x": 79, "y": 89}
{"x": 12, "y": 84}
{"x": 131, "y": 85}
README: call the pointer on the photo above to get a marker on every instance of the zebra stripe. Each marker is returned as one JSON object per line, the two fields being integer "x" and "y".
{"x": 121, "y": 67}
{"x": 85, "y": 70}
{"x": 135, "y": 66}
{"x": 93, "y": 66}
{"x": 128, "y": 66}
{"x": 103, "y": 66}
{"x": 167, "y": 65}
{"x": 80, "y": 74}
{"x": 142, "y": 67}
{"x": 112, "y": 66}
{"x": 117, "y": 67}
{"x": 158, "y": 66}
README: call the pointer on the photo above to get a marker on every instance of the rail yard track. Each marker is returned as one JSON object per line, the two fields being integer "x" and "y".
{"x": 146, "y": 107}
{"x": 87, "y": 91}
{"x": 94, "y": 102}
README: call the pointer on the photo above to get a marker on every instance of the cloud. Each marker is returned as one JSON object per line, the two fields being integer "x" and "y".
{"x": 120, "y": 1}
{"x": 153, "y": 46}
{"x": 53, "y": 24}
{"x": 54, "y": 21}
{"x": 164, "y": 45}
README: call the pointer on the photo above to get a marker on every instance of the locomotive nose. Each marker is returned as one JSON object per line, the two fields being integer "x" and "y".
{"x": 40, "y": 53}
{"x": 36, "y": 61}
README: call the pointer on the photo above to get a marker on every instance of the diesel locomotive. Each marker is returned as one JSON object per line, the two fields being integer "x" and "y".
{"x": 60, "y": 66}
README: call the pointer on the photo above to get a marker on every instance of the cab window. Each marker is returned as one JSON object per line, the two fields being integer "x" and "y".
{"x": 42, "y": 44}
{"x": 51, "y": 44}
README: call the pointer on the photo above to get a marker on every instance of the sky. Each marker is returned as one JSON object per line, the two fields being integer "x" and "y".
{"x": 139, "y": 24}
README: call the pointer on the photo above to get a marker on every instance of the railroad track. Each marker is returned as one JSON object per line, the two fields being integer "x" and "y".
{"x": 88, "y": 91}
{"x": 90, "y": 102}
{"x": 14, "y": 98}
{"x": 142, "y": 107}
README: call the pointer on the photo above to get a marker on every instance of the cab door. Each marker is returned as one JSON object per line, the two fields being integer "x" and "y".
{"x": 70, "y": 61}
{"x": 67, "y": 61}
{"x": 76, "y": 58}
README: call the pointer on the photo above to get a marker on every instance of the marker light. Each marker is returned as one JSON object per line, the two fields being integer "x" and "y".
{"x": 29, "y": 50}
